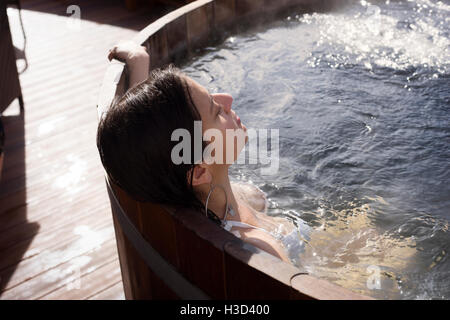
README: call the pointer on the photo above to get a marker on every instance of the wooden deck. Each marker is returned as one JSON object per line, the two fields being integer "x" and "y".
{"x": 56, "y": 234}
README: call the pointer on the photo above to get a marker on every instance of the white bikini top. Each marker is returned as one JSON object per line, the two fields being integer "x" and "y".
{"x": 294, "y": 242}
{"x": 231, "y": 223}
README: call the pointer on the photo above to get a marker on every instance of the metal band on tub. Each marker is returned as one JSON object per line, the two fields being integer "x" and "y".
{"x": 163, "y": 269}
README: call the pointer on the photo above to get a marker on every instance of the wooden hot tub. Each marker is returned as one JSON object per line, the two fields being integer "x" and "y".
{"x": 176, "y": 253}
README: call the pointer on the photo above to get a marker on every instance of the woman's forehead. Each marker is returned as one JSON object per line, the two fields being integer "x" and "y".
{"x": 200, "y": 95}
{"x": 196, "y": 87}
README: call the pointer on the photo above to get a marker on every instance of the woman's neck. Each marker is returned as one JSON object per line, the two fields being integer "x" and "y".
{"x": 218, "y": 199}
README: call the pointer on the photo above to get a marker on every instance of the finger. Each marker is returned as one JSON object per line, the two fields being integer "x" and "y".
{"x": 112, "y": 53}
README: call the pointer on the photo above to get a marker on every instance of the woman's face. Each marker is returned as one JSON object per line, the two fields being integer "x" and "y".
{"x": 216, "y": 113}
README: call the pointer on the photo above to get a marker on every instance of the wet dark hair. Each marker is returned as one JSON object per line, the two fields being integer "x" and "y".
{"x": 134, "y": 139}
{"x": 2, "y": 136}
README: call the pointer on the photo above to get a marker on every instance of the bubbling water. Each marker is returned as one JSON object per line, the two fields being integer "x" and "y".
{"x": 373, "y": 37}
{"x": 361, "y": 98}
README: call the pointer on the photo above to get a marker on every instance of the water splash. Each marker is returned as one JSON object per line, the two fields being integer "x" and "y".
{"x": 384, "y": 36}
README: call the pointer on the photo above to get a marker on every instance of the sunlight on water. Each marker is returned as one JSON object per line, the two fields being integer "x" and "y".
{"x": 375, "y": 37}
{"x": 343, "y": 249}
{"x": 361, "y": 98}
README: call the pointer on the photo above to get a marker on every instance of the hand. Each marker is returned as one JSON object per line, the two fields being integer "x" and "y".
{"x": 136, "y": 58}
{"x": 128, "y": 51}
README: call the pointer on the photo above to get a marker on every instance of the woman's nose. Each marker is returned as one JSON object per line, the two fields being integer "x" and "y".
{"x": 225, "y": 99}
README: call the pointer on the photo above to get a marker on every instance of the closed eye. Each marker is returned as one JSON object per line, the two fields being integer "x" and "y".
{"x": 219, "y": 111}
{"x": 213, "y": 103}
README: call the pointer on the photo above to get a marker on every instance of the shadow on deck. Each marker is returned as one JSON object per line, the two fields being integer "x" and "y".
{"x": 56, "y": 234}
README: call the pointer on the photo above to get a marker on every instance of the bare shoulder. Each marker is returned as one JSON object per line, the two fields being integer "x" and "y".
{"x": 264, "y": 241}
{"x": 252, "y": 195}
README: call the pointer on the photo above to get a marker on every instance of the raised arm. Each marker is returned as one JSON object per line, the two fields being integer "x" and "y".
{"x": 136, "y": 58}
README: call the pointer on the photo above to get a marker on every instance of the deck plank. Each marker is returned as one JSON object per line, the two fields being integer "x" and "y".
{"x": 65, "y": 275}
{"x": 114, "y": 292}
{"x": 47, "y": 231}
{"x": 40, "y": 260}
{"x": 54, "y": 208}
{"x": 89, "y": 284}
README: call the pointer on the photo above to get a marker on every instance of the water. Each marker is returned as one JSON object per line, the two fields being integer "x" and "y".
{"x": 361, "y": 97}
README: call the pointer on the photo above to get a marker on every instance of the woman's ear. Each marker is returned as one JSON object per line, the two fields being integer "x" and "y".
{"x": 200, "y": 175}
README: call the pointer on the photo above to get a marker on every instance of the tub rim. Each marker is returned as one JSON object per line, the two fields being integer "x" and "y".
{"x": 116, "y": 80}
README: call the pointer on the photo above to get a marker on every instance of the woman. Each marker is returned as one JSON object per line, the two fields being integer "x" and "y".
{"x": 136, "y": 134}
